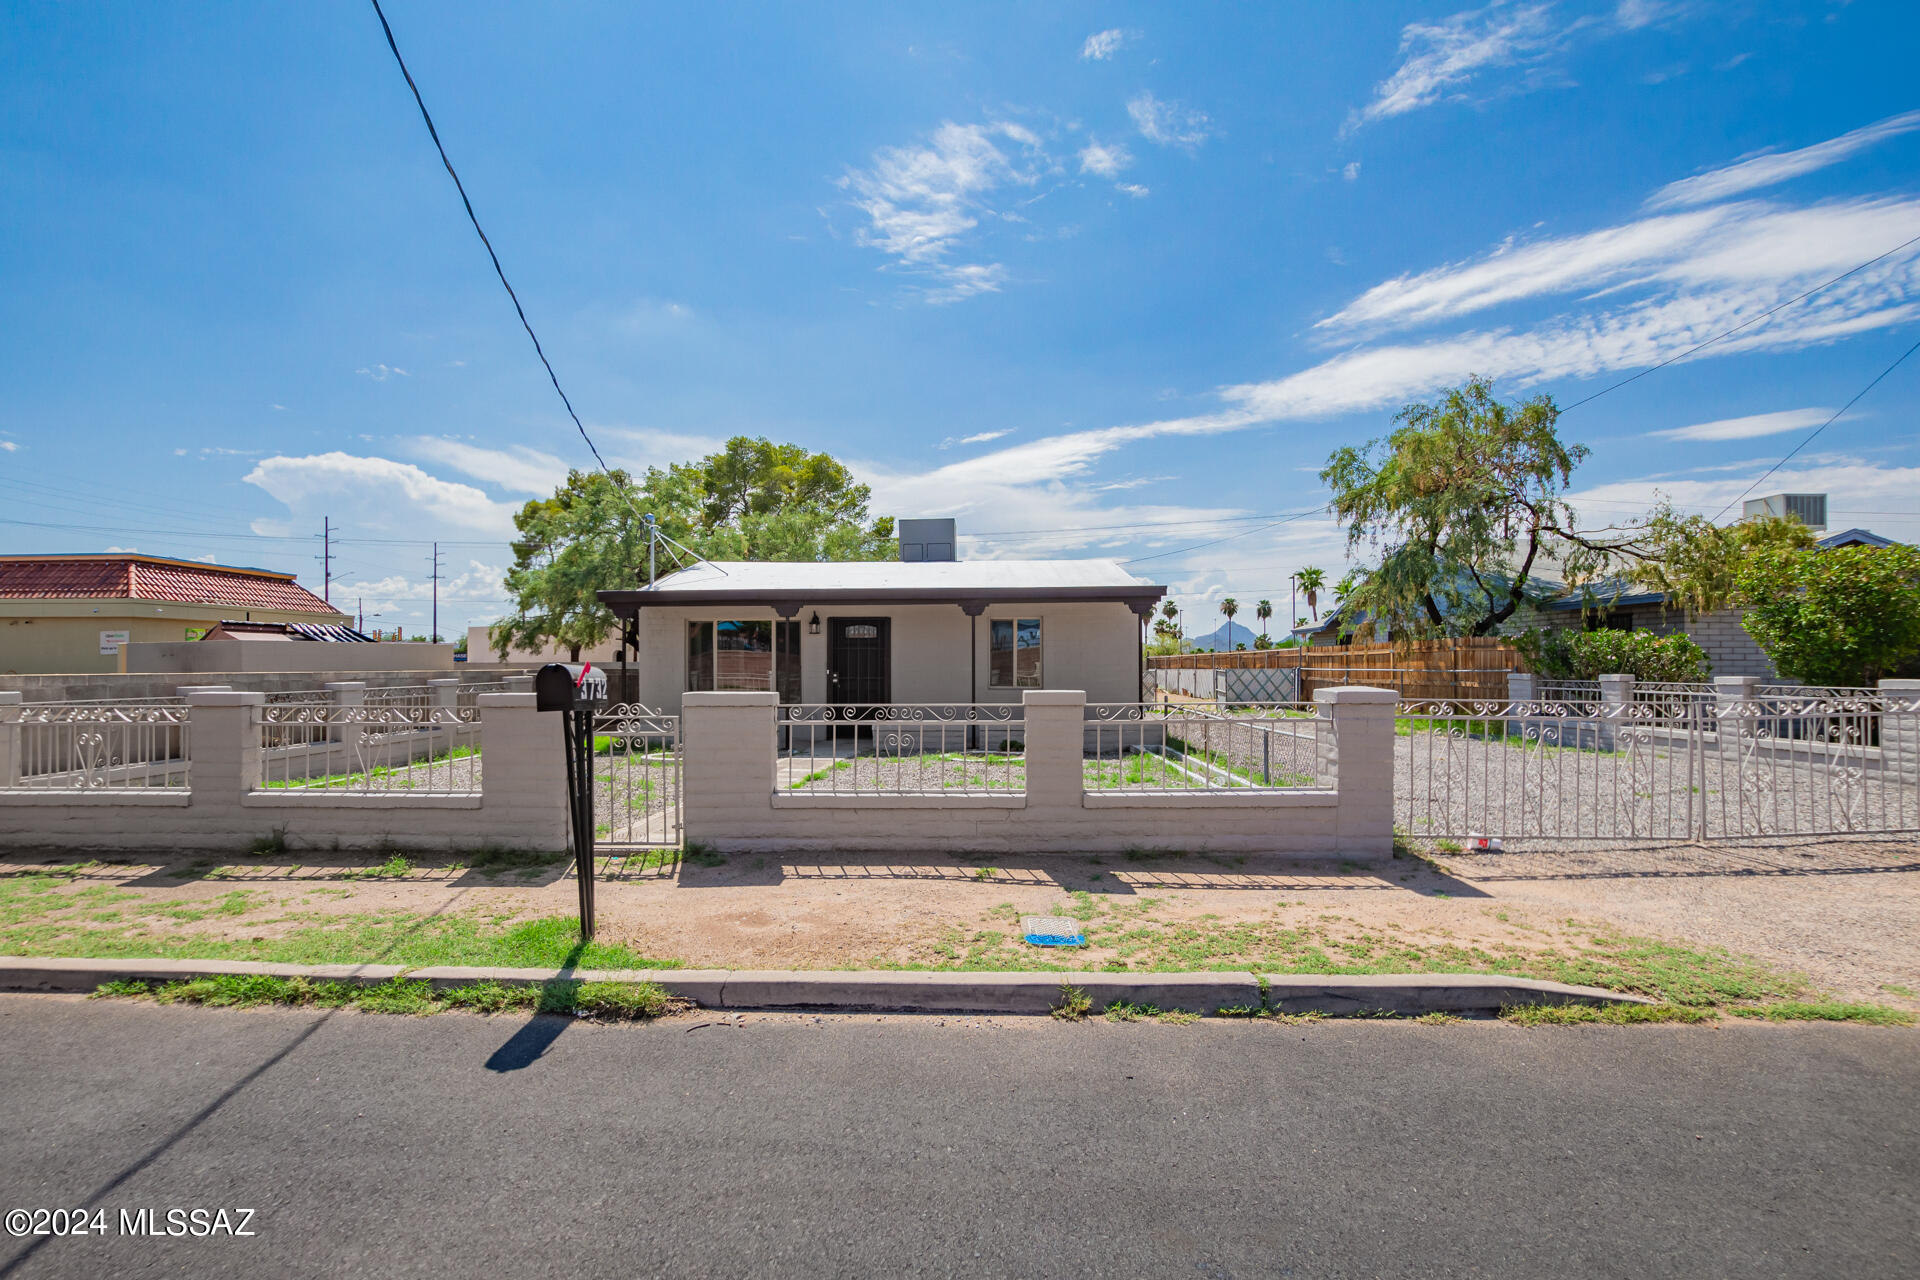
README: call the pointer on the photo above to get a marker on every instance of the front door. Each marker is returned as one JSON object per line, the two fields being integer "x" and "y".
{"x": 859, "y": 660}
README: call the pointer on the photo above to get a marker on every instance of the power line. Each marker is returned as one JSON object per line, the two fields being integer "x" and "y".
{"x": 1898, "y": 360}
{"x": 1737, "y": 328}
{"x": 1300, "y": 515}
{"x": 497, "y": 269}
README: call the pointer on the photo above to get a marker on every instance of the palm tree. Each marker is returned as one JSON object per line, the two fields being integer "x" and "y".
{"x": 1229, "y": 606}
{"x": 1263, "y": 611}
{"x": 1171, "y": 612}
{"x": 1313, "y": 581}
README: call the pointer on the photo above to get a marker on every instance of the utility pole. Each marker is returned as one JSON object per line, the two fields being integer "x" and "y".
{"x": 326, "y": 559}
{"x": 360, "y": 614}
{"x": 433, "y": 635}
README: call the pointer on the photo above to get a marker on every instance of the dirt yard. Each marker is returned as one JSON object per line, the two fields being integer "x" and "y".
{"x": 1846, "y": 915}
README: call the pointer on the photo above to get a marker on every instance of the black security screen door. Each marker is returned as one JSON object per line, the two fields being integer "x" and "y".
{"x": 859, "y": 666}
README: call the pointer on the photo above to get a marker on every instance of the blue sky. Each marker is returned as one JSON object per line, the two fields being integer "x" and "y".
{"x": 1095, "y": 279}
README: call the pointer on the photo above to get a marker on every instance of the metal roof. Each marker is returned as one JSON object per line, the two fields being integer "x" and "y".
{"x": 965, "y": 582}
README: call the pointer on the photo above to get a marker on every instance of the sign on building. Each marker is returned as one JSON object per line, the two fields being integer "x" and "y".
{"x": 110, "y": 641}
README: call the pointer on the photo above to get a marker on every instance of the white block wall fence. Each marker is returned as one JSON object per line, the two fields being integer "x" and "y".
{"x": 227, "y": 804}
{"x": 733, "y": 802}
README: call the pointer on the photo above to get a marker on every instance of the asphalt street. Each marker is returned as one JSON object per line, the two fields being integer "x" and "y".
{"x": 457, "y": 1145}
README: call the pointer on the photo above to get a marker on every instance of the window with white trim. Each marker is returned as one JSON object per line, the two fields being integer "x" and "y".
{"x": 1013, "y": 653}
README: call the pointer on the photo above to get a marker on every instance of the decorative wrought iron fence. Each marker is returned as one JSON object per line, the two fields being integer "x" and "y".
{"x": 636, "y": 777}
{"x": 1680, "y": 768}
{"x": 918, "y": 748}
{"x": 398, "y": 747}
{"x": 98, "y": 747}
{"x": 1171, "y": 746}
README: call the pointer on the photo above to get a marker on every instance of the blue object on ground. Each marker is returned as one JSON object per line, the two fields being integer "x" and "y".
{"x": 1052, "y": 931}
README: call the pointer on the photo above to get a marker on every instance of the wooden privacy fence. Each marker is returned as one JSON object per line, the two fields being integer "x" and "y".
{"x": 1462, "y": 668}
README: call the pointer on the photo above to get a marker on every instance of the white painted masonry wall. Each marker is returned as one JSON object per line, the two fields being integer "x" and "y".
{"x": 733, "y": 805}
{"x": 521, "y": 803}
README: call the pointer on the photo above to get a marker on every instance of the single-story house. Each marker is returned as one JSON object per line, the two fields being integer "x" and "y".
{"x": 78, "y": 613}
{"x": 941, "y": 631}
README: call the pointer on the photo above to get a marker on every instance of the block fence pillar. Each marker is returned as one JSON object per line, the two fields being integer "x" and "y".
{"x": 523, "y": 773}
{"x": 1056, "y": 727}
{"x": 344, "y": 693}
{"x": 223, "y": 745}
{"x": 1736, "y": 718}
{"x": 1356, "y": 756}
{"x": 443, "y": 695}
{"x": 1616, "y": 700}
{"x": 1523, "y": 687}
{"x": 10, "y": 713}
{"x": 726, "y": 762}
{"x": 1899, "y": 730}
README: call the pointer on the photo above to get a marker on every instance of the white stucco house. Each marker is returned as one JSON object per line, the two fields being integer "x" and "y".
{"x": 861, "y": 633}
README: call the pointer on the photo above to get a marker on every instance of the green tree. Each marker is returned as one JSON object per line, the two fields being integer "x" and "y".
{"x": 1697, "y": 563}
{"x": 1228, "y": 607}
{"x": 1845, "y": 616}
{"x": 1263, "y": 611}
{"x": 1171, "y": 612}
{"x": 1459, "y": 504}
{"x": 753, "y": 500}
{"x": 1312, "y": 581}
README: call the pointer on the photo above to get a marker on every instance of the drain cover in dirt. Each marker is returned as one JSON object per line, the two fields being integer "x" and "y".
{"x": 1052, "y": 931}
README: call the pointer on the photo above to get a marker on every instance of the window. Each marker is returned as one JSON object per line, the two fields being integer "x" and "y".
{"x": 751, "y": 654}
{"x": 1013, "y": 653}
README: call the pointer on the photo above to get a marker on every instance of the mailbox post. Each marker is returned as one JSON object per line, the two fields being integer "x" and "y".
{"x": 574, "y": 691}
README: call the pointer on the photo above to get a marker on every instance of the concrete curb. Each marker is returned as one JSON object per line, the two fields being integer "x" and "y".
{"x": 906, "y": 991}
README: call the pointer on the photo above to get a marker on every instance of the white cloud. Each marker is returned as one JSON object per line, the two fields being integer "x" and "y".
{"x": 372, "y": 495}
{"x": 1631, "y": 15}
{"x": 278, "y": 408}
{"x": 517, "y": 468}
{"x": 1171, "y": 124}
{"x": 1744, "y": 244}
{"x": 381, "y": 372}
{"x": 1104, "y": 161}
{"x": 121, "y": 551}
{"x": 921, "y": 201}
{"x": 1748, "y": 428}
{"x": 1351, "y": 171}
{"x": 1102, "y": 45}
{"x": 1769, "y": 169}
{"x": 1853, "y": 487}
{"x": 1133, "y": 189}
{"x": 979, "y": 437}
{"x": 1441, "y": 58}
{"x": 9, "y": 446}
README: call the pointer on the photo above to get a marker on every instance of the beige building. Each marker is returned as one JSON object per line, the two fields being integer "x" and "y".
{"x": 77, "y": 613}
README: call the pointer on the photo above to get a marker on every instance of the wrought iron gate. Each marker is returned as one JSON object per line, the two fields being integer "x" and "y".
{"x": 636, "y": 778}
{"x": 1666, "y": 766}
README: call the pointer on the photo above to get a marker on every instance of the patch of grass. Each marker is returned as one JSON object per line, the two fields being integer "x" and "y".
{"x": 271, "y": 845}
{"x": 704, "y": 855}
{"x": 1435, "y": 1018}
{"x": 986, "y": 873}
{"x": 1073, "y": 1004}
{"x": 1895, "y": 989}
{"x": 616, "y": 1000}
{"x": 493, "y": 861}
{"x": 1123, "y": 1011}
{"x": 396, "y": 867}
{"x": 1560, "y": 1015}
{"x": 1877, "y": 1015}
{"x": 1447, "y": 846}
{"x": 361, "y": 777}
{"x": 1178, "y": 1017}
{"x": 1236, "y": 1011}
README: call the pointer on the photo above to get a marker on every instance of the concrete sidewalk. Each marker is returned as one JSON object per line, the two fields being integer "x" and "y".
{"x": 909, "y": 991}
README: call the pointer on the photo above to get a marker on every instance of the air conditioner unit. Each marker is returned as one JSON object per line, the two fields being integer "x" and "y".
{"x": 1810, "y": 509}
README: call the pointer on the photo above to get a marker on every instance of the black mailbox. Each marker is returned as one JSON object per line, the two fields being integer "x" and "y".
{"x": 565, "y": 686}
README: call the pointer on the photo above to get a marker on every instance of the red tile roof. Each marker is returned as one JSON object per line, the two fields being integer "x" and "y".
{"x": 153, "y": 578}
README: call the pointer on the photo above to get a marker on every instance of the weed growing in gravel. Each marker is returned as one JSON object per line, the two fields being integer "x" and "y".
{"x": 1073, "y": 1004}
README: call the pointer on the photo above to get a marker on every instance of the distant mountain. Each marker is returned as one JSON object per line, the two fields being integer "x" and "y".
{"x": 1227, "y": 638}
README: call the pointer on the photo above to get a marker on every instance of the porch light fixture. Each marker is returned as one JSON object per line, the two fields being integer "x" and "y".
{"x": 813, "y": 625}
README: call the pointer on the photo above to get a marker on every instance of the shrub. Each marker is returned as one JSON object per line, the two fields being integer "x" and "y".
{"x": 1583, "y": 655}
{"x": 1845, "y": 616}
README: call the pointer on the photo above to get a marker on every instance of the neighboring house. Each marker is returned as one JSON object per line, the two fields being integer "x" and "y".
{"x": 929, "y": 630}
{"x": 76, "y": 613}
{"x": 480, "y": 652}
{"x": 232, "y": 647}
